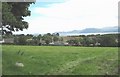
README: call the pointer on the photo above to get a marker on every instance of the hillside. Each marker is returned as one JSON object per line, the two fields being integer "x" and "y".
{"x": 90, "y": 30}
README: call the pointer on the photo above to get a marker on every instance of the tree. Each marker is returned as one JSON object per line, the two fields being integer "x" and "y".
{"x": 29, "y": 36}
{"x": 86, "y": 41}
{"x": 57, "y": 34}
{"x": 73, "y": 42}
{"x": 47, "y": 38}
{"x": 108, "y": 40}
{"x": 55, "y": 37}
{"x": 22, "y": 40}
{"x": 36, "y": 40}
{"x": 13, "y": 14}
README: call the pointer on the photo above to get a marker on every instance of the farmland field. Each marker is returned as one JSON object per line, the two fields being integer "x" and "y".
{"x": 60, "y": 60}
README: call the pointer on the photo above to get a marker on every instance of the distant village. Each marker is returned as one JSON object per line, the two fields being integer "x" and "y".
{"x": 56, "y": 40}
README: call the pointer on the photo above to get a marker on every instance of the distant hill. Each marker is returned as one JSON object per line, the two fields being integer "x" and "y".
{"x": 91, "y": 30}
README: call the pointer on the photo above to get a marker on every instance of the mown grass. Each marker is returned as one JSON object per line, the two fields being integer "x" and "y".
{"x": 60, "y": 60}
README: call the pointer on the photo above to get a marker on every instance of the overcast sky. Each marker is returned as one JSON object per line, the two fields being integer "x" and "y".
{"x": 65, "y": 15}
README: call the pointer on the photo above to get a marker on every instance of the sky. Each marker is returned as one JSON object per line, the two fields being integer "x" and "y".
{"x": 49, "y": 16}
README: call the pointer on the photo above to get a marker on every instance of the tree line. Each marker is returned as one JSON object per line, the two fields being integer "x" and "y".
{"x": 30, "y": 39}
{"x": 105, "y": 40}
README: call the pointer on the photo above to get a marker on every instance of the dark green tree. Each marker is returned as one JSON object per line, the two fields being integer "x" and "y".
{"x": 108, "y": 40}
{"x": 47, "y": 38}
{"x": 22, "y": 40}
{"x": 13, "y": 14}
{"x": 73, "y": 42}
{"x": 55, "y": 37}
{"x": 86, "y": 41}
{"x": 36, "y": 40}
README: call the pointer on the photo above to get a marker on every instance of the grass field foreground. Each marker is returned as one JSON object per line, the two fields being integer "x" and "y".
{"x": 60, "y": 60}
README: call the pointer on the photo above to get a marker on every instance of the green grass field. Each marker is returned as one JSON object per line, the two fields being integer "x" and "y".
{"x": 60, "y": 60}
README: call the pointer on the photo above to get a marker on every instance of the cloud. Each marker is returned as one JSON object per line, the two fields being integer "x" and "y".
{"x": 74, "y": 15}
{"x": 75, "y": 8}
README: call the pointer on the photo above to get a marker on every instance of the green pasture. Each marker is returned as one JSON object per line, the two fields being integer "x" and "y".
{"x": 59, "y": 60}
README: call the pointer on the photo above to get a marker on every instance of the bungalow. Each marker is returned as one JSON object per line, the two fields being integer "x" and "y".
{"x": 7, "y": 41}
{"x": 57, "y": 43}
